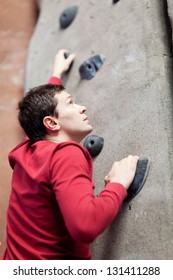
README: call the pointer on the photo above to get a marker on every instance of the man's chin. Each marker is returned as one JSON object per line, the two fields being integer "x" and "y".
{"x": 90, "y": 129}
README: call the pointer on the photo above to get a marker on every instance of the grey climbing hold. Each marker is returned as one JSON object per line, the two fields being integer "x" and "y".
{"x": 140, "y": 177}
{"x": 89, "y": 67}
{"x": 94, "y": 144}
{"x": 98, "y": 60}
{"x": 115, "y": 1}
{"x": 67, "y": 16}
{"x": 87, "y": 70}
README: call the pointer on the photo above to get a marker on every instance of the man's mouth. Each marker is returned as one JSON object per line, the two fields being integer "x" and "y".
{"x": 86, "y": 120}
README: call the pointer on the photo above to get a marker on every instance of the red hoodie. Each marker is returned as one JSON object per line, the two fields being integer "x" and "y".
{"x": 53, "y": 212}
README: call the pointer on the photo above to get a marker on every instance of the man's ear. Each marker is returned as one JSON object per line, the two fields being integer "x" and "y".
{"x": 51, "y": 123}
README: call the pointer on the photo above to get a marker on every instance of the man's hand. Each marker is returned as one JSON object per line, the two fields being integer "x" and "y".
{"x": 123, "y": 171}
{"x": 62, "y": 64}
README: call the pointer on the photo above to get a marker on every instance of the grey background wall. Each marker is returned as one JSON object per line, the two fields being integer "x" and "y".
{"x": 129, "y": 103}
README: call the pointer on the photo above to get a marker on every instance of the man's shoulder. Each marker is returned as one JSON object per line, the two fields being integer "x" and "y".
{"x": 72, "y": 149}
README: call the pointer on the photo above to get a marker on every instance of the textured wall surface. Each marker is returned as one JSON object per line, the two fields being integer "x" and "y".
{"x": 170, "y": 10}
{"x": 129, "y": 103}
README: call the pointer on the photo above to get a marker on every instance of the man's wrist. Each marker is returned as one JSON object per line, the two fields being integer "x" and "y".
{"x": 57, "y": 75}
{"x": 55, "y": 81}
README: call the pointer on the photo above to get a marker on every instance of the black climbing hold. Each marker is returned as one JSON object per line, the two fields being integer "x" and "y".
{"x": 67, "y": 16}
{"x": 66, "y": 55}
{"x": 139, "y": 179}
{"x": 94, "y": 144}
{"x": 89, "y": 67}
{"x": 115, "y": 1}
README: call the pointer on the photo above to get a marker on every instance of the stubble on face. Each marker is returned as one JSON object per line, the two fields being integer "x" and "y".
{"x": 72, "y": 117}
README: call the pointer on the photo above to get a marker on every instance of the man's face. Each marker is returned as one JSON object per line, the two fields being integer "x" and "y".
{"x": 72, "y": 118}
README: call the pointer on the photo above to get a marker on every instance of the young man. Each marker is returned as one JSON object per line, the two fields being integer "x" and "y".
{"x": 53, "y": 212}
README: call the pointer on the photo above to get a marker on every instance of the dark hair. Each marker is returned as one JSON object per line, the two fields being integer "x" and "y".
{"x": 38, "y": 103}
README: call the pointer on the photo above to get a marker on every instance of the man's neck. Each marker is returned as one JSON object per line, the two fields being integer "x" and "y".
{"x": 60, "y": 138}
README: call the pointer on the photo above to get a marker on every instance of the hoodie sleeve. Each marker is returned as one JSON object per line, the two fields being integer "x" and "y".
{"x": 55, "y": 81}
{"x": 85, "y": 215}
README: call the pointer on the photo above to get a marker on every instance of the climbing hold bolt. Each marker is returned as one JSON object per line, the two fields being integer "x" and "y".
{"x": 89, "y": 67}
{"x": 139, "y": 179}
{"x": 67, "y": 16}
{"x": 94, "y": 144}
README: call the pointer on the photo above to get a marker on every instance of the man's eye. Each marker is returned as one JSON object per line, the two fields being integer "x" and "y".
{"x": 71, "y": 101}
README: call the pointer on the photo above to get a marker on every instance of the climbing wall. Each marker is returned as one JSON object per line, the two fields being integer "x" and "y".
{"x": 129, "y": 103}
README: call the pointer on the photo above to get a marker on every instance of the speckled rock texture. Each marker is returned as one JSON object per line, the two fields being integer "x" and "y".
{"x": 129, "y": 103}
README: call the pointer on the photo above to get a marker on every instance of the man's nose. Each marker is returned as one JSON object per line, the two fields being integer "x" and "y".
{"x": 82, "y": 109}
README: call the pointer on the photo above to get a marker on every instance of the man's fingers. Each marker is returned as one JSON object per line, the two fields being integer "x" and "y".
{"x": 70, "y": 58}
{"x": 106, "y": 179}
{"x": 131, "y": 158}
{"x": 63, "y": 51}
